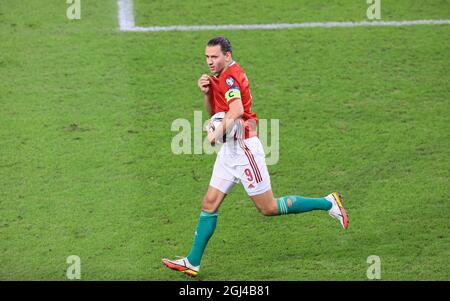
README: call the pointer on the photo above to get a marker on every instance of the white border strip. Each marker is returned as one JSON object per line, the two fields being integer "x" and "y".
{"x": 288, "y": 25}
{"x": 126, "y": 15}
{"x": 127, "y": 23}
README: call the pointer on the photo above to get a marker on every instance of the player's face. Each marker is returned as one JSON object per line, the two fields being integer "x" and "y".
{"x": 215, "y": 58}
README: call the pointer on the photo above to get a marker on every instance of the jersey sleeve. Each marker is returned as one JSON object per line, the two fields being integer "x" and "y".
{"x": 233, "y": 92}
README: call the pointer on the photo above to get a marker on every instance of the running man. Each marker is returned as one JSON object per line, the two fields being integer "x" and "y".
{"x": 241, "y": 157}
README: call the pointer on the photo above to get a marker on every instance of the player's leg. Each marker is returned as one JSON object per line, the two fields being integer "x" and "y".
{"x": 220, "y": 185}
{"x": 213, "y": 199}
{"x": 256, "y": 181}
{"x": 269, "y": 206}
{"x": 206, "y": 224}
{"x": 265, "y": 203}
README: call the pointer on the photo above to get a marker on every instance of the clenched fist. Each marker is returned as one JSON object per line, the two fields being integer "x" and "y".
{"x": 203, "y": 83}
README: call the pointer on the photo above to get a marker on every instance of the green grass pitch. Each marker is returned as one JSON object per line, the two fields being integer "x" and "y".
{"x": 86, "y": 166}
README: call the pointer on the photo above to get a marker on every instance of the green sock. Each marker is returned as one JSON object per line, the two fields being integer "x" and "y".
{"x": 205, "y": 229}
{"x": 300, "y": 204}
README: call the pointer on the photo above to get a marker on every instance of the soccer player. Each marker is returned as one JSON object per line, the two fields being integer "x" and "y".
{"x": 241, "y": 157}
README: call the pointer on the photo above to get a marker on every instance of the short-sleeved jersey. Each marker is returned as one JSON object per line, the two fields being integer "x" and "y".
{"x": 233, "y": 85}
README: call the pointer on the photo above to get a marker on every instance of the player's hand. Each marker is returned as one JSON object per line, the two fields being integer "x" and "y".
{"x": 203, "y": 83}
{"x": 211, "y": 138}
{"x": 209, "y": 127}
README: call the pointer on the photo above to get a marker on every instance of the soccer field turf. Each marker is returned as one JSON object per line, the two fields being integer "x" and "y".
{"x": 86, "y": 166}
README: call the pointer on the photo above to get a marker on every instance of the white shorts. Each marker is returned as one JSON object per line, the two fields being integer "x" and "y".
{"x": 243, "y": 162}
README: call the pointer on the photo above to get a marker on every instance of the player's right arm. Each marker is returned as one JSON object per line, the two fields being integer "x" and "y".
{"x": 203, "y": 84}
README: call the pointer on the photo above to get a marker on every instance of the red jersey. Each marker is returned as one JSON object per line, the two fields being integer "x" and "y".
{"x": 232, "y": 85}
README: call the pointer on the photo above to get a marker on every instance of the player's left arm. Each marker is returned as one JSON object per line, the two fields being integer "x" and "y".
{"x": 236, "y": 110}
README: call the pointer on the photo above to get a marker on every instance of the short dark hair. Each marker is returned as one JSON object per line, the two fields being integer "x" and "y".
{"x": 224, "y": 43}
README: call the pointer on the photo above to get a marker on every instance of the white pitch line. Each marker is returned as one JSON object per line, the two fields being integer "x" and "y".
{"x": 290, "y": 25}
{"x": 126, "y": 15}
{"x": 127, "y": 23}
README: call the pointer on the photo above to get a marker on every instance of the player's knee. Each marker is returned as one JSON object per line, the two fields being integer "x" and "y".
{"x": 210, "y": 204}
{"x": 268, "y": 210}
